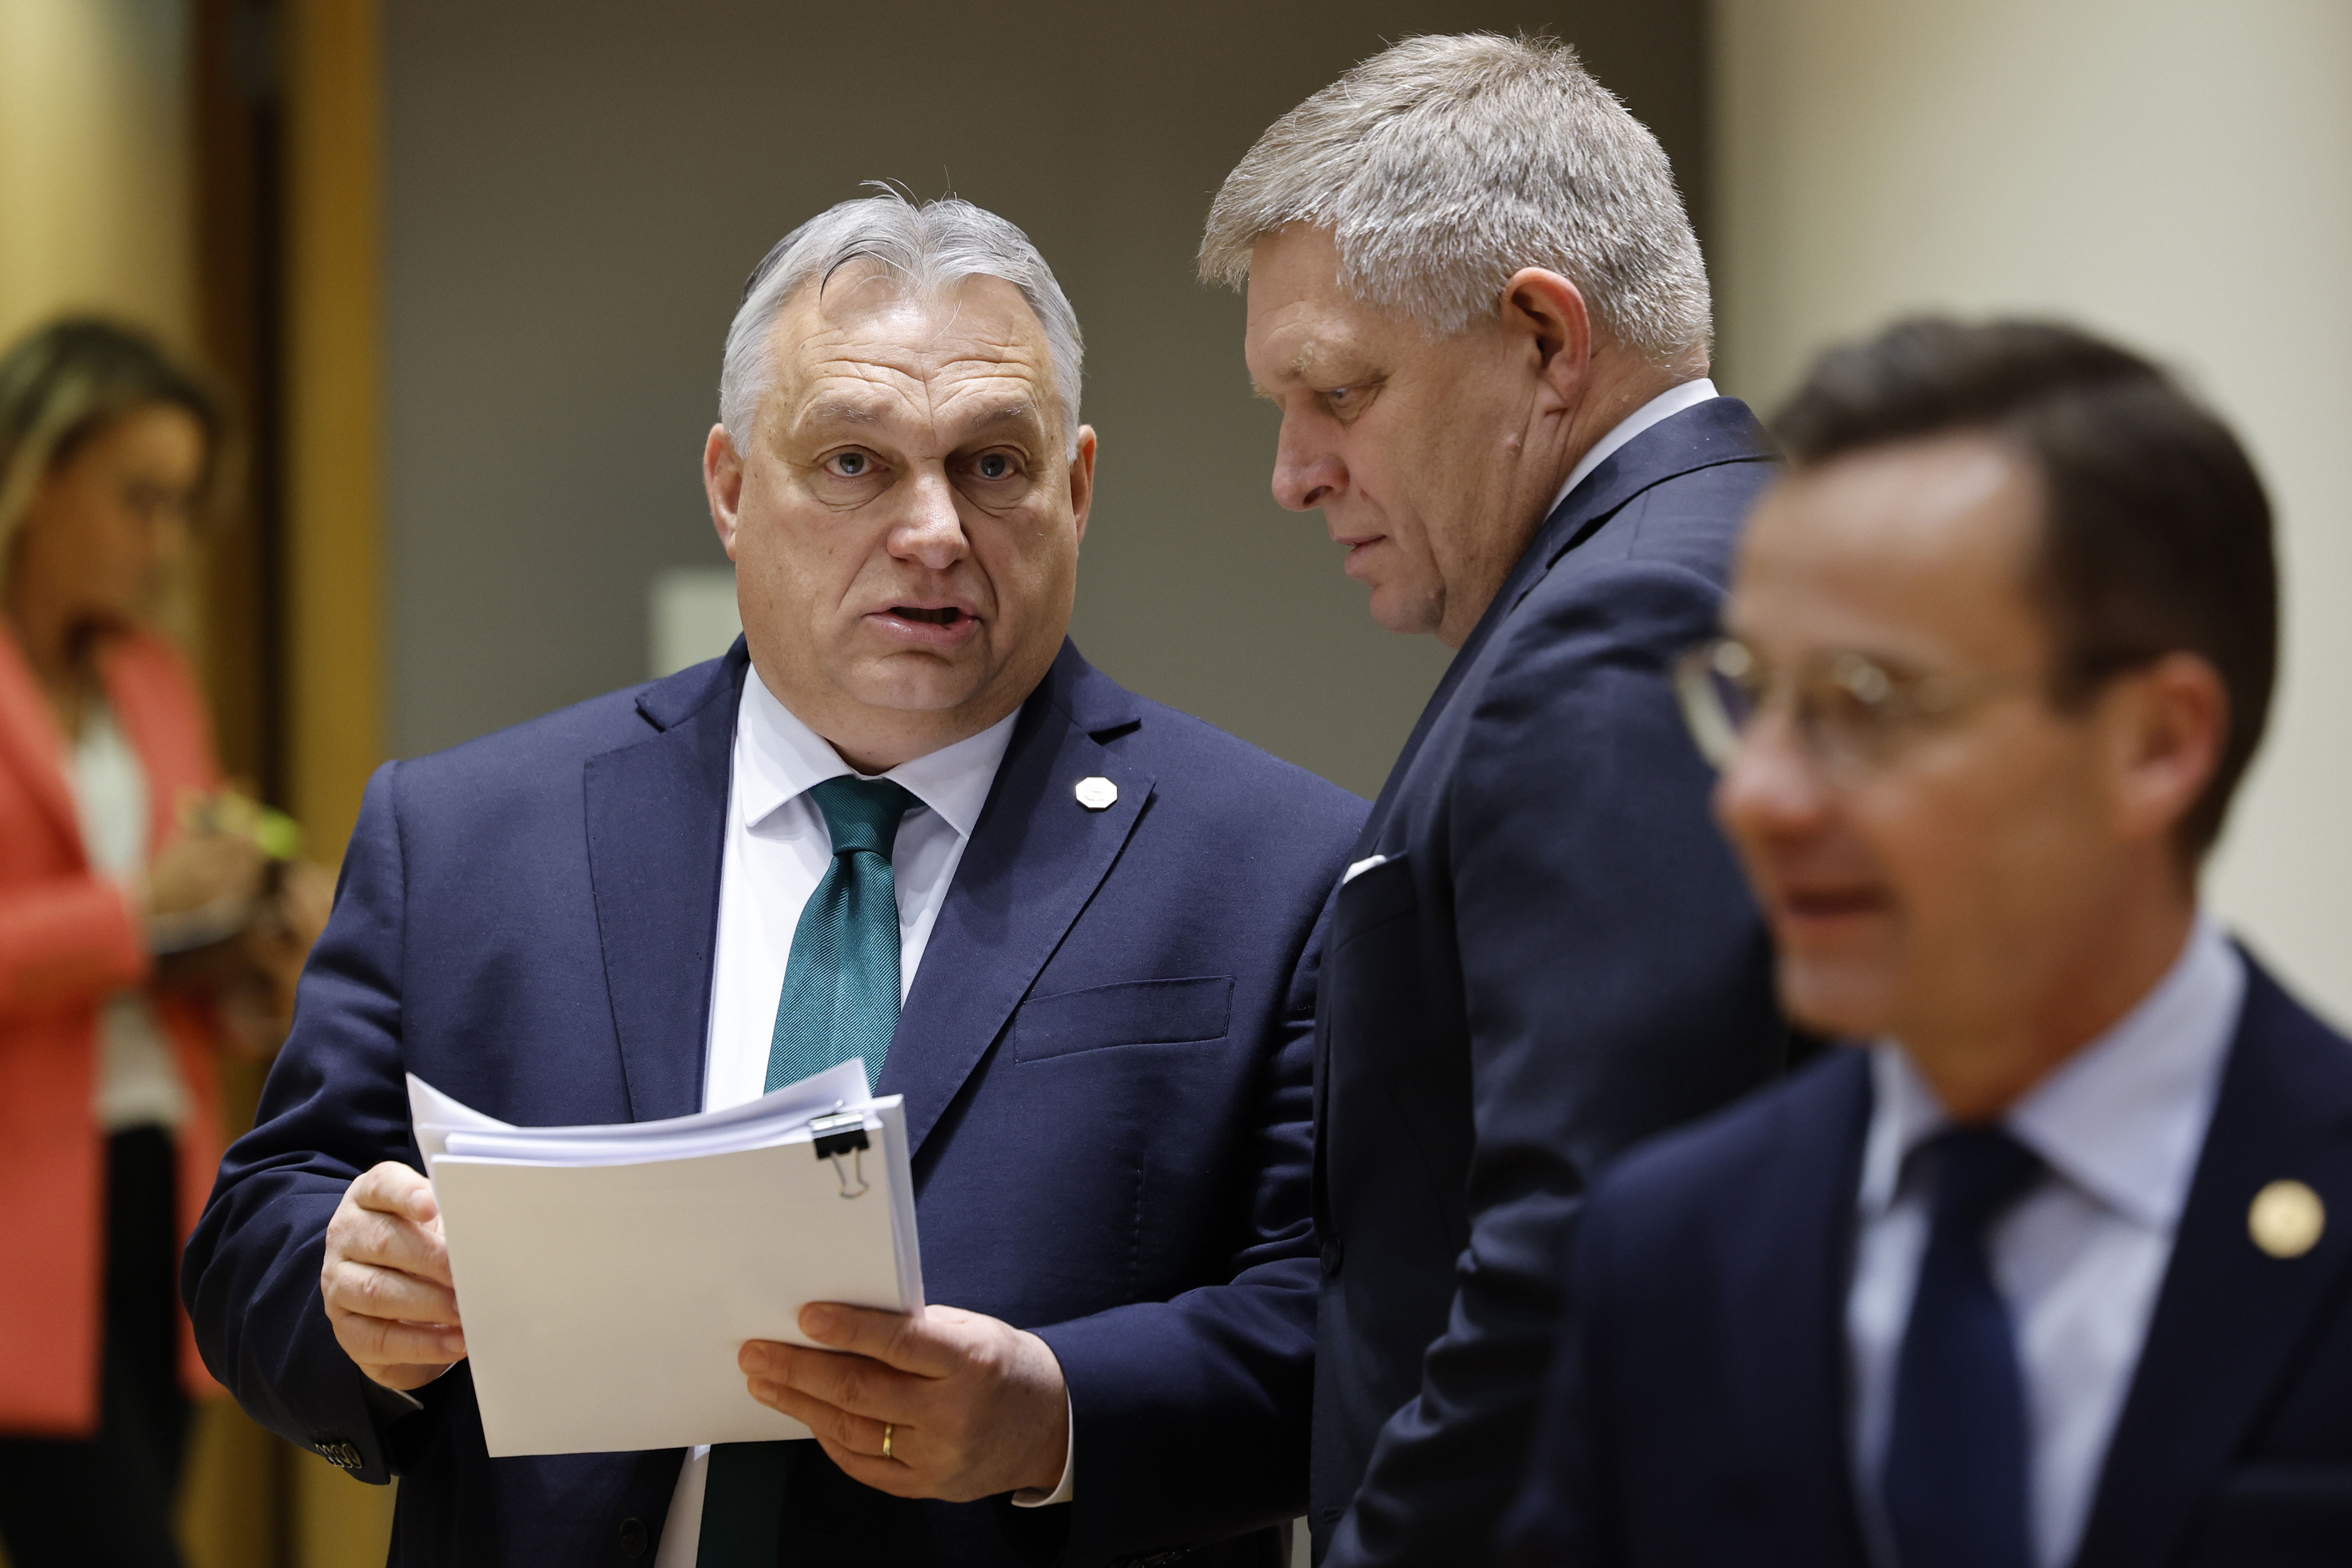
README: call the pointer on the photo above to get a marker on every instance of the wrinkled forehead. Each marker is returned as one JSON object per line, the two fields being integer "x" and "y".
{"x": 1928, "y": 548}
{"x": 868, "y": 338}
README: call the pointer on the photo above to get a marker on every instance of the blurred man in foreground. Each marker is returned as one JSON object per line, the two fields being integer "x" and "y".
{"x": 2053, "y": 1270}
{"x": 1475, "y": 297}
{"x": 1091, "y": 974}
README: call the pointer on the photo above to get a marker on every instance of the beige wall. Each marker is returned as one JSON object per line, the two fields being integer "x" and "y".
{"x": 2176, "y": 172}
{"x": 94, "y": 169}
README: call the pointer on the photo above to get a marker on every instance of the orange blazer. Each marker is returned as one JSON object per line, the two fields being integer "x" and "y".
{"x": 67, "y": 940}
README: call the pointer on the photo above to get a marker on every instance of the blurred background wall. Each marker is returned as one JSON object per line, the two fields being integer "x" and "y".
{"x": 467, "y": 265}
{"x": 94, "y": 189}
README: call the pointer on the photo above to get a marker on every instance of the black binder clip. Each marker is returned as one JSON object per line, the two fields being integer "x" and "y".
{"x": 839, "y": 1132}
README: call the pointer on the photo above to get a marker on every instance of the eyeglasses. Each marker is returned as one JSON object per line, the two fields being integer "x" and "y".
{"x": 1853, "y": 712}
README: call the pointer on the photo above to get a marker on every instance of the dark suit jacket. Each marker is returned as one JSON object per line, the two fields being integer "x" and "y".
{"x": 1698, "y": 1407}
{"x": 1105, "y": 1056}
{"x": 1558, "y": 958}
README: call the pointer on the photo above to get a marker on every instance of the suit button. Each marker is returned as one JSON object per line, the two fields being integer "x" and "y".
{"x": 632, "y": 1538}
{"x": 344, "y": 1455}
{"x": 1332, "y": 1253}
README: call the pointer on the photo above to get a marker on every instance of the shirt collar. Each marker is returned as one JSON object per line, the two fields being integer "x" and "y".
{"x": 778, "y": 758}
{"x": 1666, "y": 405}
{"x": 2123, "y": 1119}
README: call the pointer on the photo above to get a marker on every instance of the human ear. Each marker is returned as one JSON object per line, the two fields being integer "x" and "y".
{"x": 722, "y": 482}
{"x": 1081, "y": 479}
{"x": 2171, "y": 724}
{"x": 1546, "y": 313}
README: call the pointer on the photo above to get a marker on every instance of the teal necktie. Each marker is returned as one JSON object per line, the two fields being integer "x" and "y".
{"x": 840, "y": 1000}
{"x": 841, "y": 985}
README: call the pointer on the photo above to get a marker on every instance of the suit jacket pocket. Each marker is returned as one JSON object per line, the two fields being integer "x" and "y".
{"x": 1372, "y": 898}
{"x": 2278, "y": 1515}
{"x": 1135, "y": 1013}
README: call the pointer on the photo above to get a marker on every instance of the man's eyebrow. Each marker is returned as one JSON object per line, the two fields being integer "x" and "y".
{"x": 841, "y": 411}
{"x": 850, "y": 411}
{"x": 1298, "y": 368}
{"x": 1022, "y": 412}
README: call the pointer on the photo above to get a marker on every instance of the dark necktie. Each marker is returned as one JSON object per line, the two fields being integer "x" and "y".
{"x": 1955, "y": 1479}
{"x": 840, "y": 1000}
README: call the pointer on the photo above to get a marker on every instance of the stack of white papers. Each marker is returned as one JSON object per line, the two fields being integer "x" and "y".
{"x": 607, "y": 1276}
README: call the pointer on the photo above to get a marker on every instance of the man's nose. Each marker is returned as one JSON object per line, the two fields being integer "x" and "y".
{"x": 932, "y": 533}
{"x": 1307, "y": 471}
{"x": 1772, "y": 789}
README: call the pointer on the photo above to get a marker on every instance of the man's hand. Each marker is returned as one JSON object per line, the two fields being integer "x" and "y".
{"x": 386, "y": 1279}
{"x": 975, "y": 1407}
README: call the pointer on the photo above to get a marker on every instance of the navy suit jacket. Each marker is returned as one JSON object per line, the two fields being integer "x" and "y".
{"x": 1558, "y": 958}
{"x": 1698, "y": 1409}
{"x": 1106, "y": 1059}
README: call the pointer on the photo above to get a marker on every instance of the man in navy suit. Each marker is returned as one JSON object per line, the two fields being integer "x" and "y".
{"x": 1076, "y": 931}
{"x": 1475, "y": 296}
{"x": 2054, "y": 1269}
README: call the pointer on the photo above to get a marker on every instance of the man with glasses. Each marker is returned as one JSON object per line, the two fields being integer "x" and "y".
{"x": 2052, "y": 1266}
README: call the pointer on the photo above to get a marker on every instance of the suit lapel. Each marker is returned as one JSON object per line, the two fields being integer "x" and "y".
{"x": 657, "y": 817}
{"x": 1035, "y": 859}
{"x": 28, "y": 732}
{"x": 1789, "y": 1275}
{"x": 2230, "y": 1318}
{"x": 1720, "y": 430}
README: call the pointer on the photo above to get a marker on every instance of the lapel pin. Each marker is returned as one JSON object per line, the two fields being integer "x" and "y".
{"x": 2286, "y": 1219}
{"x": 1098, "y": 794}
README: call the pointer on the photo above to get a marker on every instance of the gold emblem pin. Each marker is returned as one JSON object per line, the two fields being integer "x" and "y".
{"x": 2286, "y": 1219}
{"x": 1098, "y": 794}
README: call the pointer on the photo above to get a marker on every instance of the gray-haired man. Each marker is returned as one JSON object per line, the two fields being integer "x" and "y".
{"x": 1095, "y": 994}
{"x": 1475, "y": 296}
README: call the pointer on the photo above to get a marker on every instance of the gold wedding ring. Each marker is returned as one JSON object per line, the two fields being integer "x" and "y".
{"x": 886, "y": 1430}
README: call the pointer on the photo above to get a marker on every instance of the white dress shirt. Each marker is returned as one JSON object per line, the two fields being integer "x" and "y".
{"x": 2078, "y": 1260}
{"x": 1666, "y": 405}
{"x": 777, "y": 850}
{"x": 138, "y": 1080}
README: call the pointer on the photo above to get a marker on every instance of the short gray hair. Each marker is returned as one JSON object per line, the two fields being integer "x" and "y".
{"x": 1442, "y": 165}
{"x": 926, "y": 248}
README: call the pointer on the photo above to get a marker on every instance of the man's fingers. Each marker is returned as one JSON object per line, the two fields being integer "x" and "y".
{"x": 385, "y": 1241}
{"x": 385, "y": 1279}
{"x": 853, "y": 1442}
{"x": 388, "y": 1217}
{"x": 859, "y": 1434}
{"x": 911, "y": 1341}
{"x": 395, "y": 1189}
{"x": 854, "y": 1384}
{"x": 384, "y": 1341}
{"x": 366, "y": 1290}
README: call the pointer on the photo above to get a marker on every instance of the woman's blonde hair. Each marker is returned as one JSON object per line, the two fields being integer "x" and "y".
{"x": 67, "y": 381}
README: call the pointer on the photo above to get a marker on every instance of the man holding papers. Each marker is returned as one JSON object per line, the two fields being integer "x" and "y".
{"x": 1074, "y": 932}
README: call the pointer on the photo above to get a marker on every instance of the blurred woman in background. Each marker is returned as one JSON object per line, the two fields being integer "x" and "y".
{"x": 132, "y": 892}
